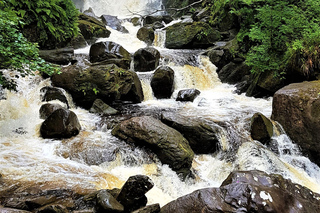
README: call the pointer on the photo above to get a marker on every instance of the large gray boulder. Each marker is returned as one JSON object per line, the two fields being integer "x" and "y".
{"x": 297, "y": 108}
{"x": 114, "y": 23}
{"x": 203, "y": 136}
{"x": 62, "y": 123}
{"x": 106, "y": 82}
{"x": 169, "y": 145}
{"x": 251, "y": 192}
{"x": 146, "y": 34}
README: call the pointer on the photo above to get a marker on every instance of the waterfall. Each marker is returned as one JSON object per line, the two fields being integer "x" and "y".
{"x": 120, "y": 8}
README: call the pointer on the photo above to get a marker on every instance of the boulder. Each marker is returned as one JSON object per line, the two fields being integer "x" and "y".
{"x": 62, "y": 56}
{"x": 56, "y": 208}
{"x": 297, "y": 108}
{"x": 146, "y": 59}
{"x": 53, "y": 93}
{"x": 11, "y": 210}
{"x": 110, "y": 53}
{"x": 114, "y": 23}
{"x": 78, "y": 42}
{"x": 162, "y": 18}
{"x": 107, "y": 203}
{"x": 62, "y": 123}
{"x": 233, "y": 73}
{"x": 106, "y": 82}
{"x": 191, "y": 35}
{"x": 47, "y": 109}
{"x": 264, "y": 85}
{"x": 261, "y": 128}
{"x": 146, "y": 34}
{"x": 249, "y": 191}
{"x": 2, "y": 93}
{"x": 162, "y": 82}
{"x": 169, "y": 145}
{"x": 187, "y": 95}
{"x": 132, "y": 194}
{"x": 91, "y": 28}
{"x": 203, "y": 135}
{"x": 100, "y": 107}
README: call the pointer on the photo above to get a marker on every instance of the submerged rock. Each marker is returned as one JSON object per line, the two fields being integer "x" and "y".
{"x": 188, "y": 95}
{"x": 297, "y": 108}
{"x": 169, "y": 145}
{"x": 162, "y": 82}
{"x": 62, "y": 123}
{"x": 249, "y": 191}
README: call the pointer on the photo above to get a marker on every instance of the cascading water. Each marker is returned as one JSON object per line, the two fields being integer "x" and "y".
{"x": 95, "y": 159}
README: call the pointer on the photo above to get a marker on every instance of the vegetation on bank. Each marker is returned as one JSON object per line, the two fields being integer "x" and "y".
{"x": 281, "y": 35}
{"x": 46, "y": 22}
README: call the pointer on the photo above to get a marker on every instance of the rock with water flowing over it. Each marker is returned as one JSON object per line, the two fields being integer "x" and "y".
{"x": 146, "y": 34}
{"x": 114, "y": 23}
{"x": 191, "y": 35}
{"x": 100, "y": 107}
{"x": 47, "y": 109}
{"x": 107, "y": 203}
{"x": 53, "y": 93}
{"x": 261, "y": 128}
{"x": 297, "y": 108}
{"x": 61, "y": 56}
{"x": 132, "y": 194}
{"x": 106, "y": 82}
{"x": 62, "y": 123}
{"x": 2, "y": 93}
{"x": 110, "y": 53}
{"x": 162, "y": 82}
{"x": 91, "y": 28}
{"x": 249, "y": 191}
{"x": 187, "y": 95}
{"x": 169, "y": 145}
{"x": 203, "y": 136}
{"x": 146, "y": 59}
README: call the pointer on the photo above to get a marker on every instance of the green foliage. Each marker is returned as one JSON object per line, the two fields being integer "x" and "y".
{"x": 16, "y": 52}
{"x": 47, "y": 22}
{"x": 280, "y": 34}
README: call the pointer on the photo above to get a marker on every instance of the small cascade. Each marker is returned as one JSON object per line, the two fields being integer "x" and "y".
{"x": 159, "y": 38}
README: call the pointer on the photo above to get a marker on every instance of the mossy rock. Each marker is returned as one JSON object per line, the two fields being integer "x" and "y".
{"x": 191, "y": 35}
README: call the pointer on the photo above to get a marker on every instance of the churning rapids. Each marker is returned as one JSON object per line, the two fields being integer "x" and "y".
{"x": 95, "y": 159}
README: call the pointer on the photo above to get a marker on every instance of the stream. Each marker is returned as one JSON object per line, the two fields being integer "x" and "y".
{"x": 95, "y": 159}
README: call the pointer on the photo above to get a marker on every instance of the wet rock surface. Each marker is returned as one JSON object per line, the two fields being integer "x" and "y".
{"x": 203, "y": 136}
{"x": 62, "y": 123}
{"x": 250, "y": 191}
{"x": 261, "y": 128}
{"x": 47, "y": 109}
{"x": 167, "y": 143}
{"x": 146, "y": 59}
{"x": 162, "y": 82}
{"x": 188, "y": 95}
{"x": 53, "y": 93}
